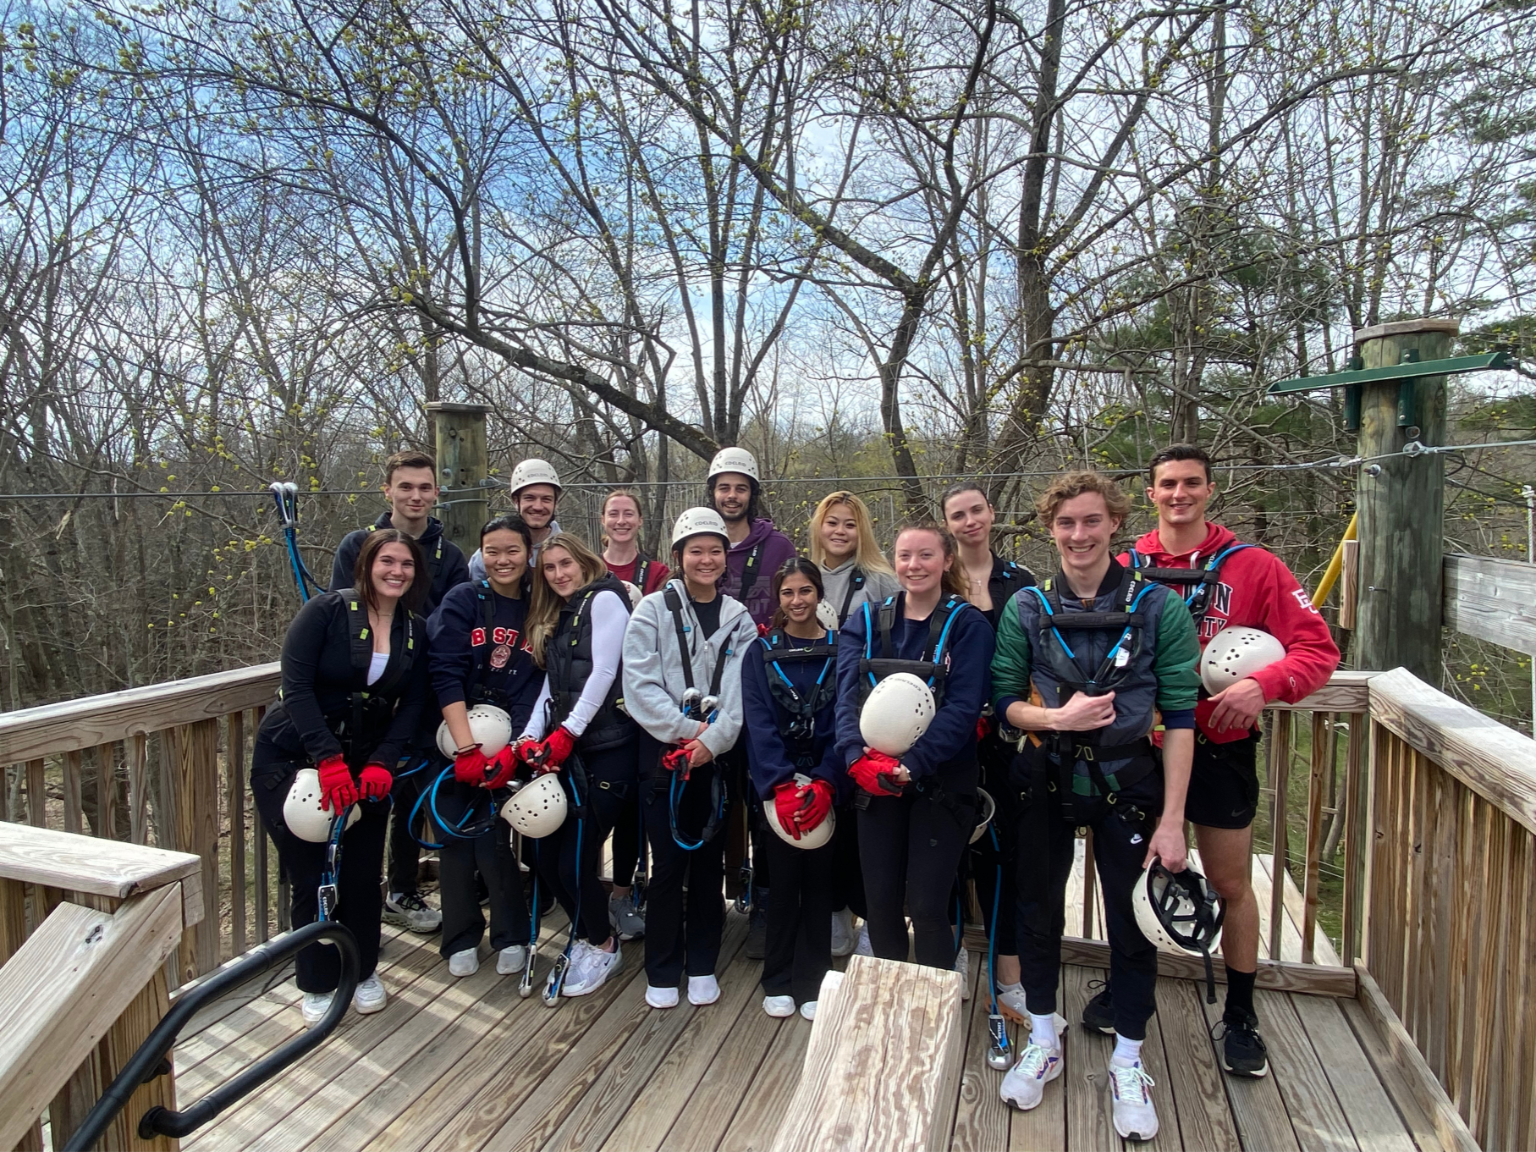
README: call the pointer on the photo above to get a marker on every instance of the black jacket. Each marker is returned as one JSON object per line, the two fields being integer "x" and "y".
{"x": 445, "y": 562}
{"x": 318, "y": 712}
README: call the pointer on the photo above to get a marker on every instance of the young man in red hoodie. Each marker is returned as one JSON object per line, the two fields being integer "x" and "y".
{"x": 1249, "y": 587}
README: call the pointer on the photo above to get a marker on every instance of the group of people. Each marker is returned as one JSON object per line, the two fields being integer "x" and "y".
{"x": 661, "y": 703}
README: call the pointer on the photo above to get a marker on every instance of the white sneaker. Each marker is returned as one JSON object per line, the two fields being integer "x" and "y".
{"x": 465, "y": 963}
{"x": 808, "y": 1009}
{"x": 510, "y": 960}
{"x": 1012, "y": 1005}
{"x": 370, "y": 996}
{"x": 409, "y": 910}
{"x": 779, "y": 1006}
{"x": 316, "y": 1005}
{"x": 843, "y": 940}
{"x": 1135, "y": 1118}
{"x": 660, "y": 997}
{"x": 1024, "y": 1086}
{"x": 862, "y": 948}
{"x": 963, "y": 967}
{"x": 703, "y": 990}
{"x": 595, "y": 968}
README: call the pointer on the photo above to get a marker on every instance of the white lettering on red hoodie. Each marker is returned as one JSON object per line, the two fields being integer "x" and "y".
{"x": 1255, "y": 590}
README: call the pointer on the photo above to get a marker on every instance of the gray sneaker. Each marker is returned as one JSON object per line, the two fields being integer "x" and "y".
{"x": 409, "y": 910}
{"x": 625, "y": 918}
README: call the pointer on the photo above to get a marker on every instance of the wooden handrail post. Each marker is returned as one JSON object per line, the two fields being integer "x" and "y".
{"x": 1401, "y": 500}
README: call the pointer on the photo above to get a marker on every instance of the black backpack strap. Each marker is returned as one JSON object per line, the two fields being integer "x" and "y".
{"x": 855, "y": 581}
{"x": 749, "y": 572}
{"x": 675, "y": 606}
{"x": 642, "y": 571}
{"x": 887, "y": 621}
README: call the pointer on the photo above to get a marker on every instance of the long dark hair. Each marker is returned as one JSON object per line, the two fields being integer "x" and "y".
{"x": 510, "y": 522}
{"x": 795, "y": 565}
{"x": 362, "y": 572}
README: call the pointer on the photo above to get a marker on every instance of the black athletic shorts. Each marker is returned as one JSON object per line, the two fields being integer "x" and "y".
{"x": 1224, "y": 783}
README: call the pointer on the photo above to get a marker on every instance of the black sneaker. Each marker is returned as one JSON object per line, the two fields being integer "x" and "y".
{"x": 1242, "y": 1048}
{"x": 1099, "y": 1013}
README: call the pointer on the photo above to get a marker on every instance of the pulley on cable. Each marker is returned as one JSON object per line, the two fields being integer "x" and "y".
{"x": 286, "y": 496}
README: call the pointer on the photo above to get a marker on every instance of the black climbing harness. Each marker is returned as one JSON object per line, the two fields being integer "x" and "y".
{"x": 796, "y": 712}
{"x": 703, "y": 708}
{"x": 1197, "y": 584}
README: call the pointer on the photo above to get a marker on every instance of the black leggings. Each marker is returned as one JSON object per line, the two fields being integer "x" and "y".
{"x": 360, "y": 902}
{"x": 994, "y": 855}
{"x": 404, "y": 852}
{"x": 628, "y": 840}
{"x": 490, "y": 856}
{"x": 1045, "y": 854}
{"x": 570, "y": 858}
{"x": 847, "y": 873}
{"x": 682, "y": 928}
{"x": 799, "y": 920}
{"x": 910, "y": 848}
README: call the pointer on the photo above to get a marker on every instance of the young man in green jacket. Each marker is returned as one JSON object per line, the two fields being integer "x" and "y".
{"x": 1087, "y": 664}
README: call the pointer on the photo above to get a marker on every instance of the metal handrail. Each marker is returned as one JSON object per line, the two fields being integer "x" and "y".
{"x": 151, "y": 1058}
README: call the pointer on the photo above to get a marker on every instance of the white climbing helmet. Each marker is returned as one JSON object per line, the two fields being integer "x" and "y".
{"x": 302, "y": 812}
{"x": 826, "y": 615}
{"x": 699, "y": 522}
{"x": 489, "y": 726}
{"x": 814, "y": 838}
{"x": 633, "y": 592}
{"x": 897, "y": 712}
{"x": 734, "y": 460}
{"x": 986, "y": 808}
{"x": 534, "y": 472}
{"x": 1178, "y": 911}
{"x": 1234, "y": 654}
{"x": 537, "y": 808}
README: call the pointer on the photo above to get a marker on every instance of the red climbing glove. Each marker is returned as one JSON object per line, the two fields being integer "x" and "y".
{"x": 338, "y": 791}
{"x": 983, "y": 727}
{"x": 375, "y": 781}
{"x": 868, "y": 769}
{"x": 469, "y": 766}
{"x": 499, "y": 769}
{"x": 786, "y": 803}
{"x": 765, "y": 629}
{"x": 558, "y": 746}
{"x": 676, "y": 760}
{"x": 815, "y": 803}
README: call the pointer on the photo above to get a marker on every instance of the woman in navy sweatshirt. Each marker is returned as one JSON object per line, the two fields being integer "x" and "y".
{"x": 918, "y": 812}
{"x": 789, "y": 693}
{"x": 354, "y": 677}
{"x": 480, "y": 655}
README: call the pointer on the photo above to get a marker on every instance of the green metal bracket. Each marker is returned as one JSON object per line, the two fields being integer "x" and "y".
{"x": 1408, "y": 370}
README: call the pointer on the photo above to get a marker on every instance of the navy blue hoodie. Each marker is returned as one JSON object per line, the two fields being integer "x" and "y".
{"x": 770, "y": 758}
{"x": 445, "y": 561}
{"x": 947, "y": 751}
{"x": 497, "y": 659}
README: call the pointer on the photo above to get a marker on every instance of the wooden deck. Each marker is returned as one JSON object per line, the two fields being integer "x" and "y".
{"x": 467, "y": 1064}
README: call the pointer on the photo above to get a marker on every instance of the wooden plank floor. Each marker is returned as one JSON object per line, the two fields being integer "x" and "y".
{"x": 467, "y": 1064}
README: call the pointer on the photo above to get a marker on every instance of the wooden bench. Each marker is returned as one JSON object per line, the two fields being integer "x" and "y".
{"x": 883, "y": 1066}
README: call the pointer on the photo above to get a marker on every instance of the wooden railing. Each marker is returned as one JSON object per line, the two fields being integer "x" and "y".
{"x": 1449, "y": 932}
{"x": 85, "y": 930}
{"x": 165, "y": 766}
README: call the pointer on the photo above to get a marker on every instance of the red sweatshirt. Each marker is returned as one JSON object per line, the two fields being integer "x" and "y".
{"x": 1256, "y": 590}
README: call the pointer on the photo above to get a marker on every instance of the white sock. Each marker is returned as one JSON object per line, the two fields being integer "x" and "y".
{"x": 1042, "y": 1030}
{"x": 1016, "y": 986}
{"x": 1127, "y": 1052}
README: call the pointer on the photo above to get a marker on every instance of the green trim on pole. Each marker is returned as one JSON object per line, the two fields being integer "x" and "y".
{"x": 1409, "y": 371}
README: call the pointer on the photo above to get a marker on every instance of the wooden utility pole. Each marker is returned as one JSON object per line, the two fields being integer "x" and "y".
{"x": 462, "y": 462}
{"x": 1401, "y": 500}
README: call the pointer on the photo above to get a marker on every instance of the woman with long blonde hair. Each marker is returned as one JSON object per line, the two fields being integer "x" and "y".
{"x": 577, "y": 614}
{"x": 843, "y": 546}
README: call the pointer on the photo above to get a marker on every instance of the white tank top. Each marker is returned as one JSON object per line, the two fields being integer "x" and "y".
{"x": 376, "y": 666}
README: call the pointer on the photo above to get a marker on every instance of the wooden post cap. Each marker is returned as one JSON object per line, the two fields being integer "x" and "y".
{"x": 458, "y": 409}
{"x": 1407, "y": 328}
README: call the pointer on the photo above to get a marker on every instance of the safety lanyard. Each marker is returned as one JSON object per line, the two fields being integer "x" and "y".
{"x": 691, "y": 699}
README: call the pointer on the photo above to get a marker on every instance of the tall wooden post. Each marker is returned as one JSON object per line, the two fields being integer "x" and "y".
{"x": 1401, "y": 501}
{"x": 462, "y": 463}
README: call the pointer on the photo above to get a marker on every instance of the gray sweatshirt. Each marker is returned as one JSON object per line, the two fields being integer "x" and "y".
{"x": 877, "y": 586}
{"x": 653, "y": 668}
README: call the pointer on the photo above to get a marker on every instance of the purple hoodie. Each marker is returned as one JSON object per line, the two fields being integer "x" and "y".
{"x": 773, "y": 548}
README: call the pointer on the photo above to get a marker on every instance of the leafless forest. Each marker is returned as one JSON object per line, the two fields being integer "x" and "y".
{"x": 887, "y": 242}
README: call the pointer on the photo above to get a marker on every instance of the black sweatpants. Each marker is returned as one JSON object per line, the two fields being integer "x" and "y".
{"x": 910, "y": 849}
{"x": 404, "y": 852}
{"x": 744, "y": 796}
{"x": 995, "y": 854}
{"x": 682, "y": 928}
{"x": 570, "y": 858}
{"x": 1045, "y": 852}
{"x": 490, "y": 856}
{"x": 628, "y": 840}
{"x": 360, "y": 903}
{"x": 847, "y": 872}
{"x": 799, "y": 920}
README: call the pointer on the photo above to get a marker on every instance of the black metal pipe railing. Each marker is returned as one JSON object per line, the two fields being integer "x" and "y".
{"x": 151, "y": 1059}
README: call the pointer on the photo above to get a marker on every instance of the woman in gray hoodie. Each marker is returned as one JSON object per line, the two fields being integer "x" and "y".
{"x": 852, "y": 568}
{"x": 682, "y": 685}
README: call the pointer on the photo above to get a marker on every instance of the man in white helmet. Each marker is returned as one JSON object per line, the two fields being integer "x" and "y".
{"x": 536, "y": 491}
{"x": 757, "y": 549}
{"x": 1225, "y": 583}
